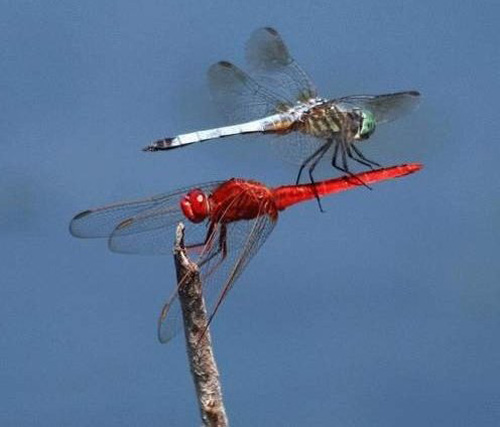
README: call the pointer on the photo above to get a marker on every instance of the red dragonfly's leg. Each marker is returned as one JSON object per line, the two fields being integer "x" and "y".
{"x": 222, "y": 249}
{"x": 208, "y": 238}
{"x": 207, "y": 242}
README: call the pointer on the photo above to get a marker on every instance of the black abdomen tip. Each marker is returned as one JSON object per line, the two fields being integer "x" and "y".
{"x": 161, "y": 144}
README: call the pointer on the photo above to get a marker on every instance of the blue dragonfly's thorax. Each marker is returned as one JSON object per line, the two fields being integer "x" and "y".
{"x": 331, "y": 119}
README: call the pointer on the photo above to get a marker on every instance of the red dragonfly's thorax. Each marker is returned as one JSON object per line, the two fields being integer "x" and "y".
{"x": 239, "y": 199}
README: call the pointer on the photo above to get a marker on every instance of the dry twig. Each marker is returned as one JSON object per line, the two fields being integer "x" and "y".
{"x": 199, "y": 350}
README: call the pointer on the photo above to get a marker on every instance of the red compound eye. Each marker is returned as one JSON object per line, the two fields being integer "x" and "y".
{"x": 194, "y": 206}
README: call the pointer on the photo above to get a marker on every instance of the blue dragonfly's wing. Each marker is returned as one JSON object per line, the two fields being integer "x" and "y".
{"x": 239, "y": 97}
{"x": 270, "y": 61}
{"x": 388, "y": 107}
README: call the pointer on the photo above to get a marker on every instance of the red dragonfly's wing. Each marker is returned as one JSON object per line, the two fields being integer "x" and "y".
{"x": 219, "y": 273}
{"x": 146, "y": 226}
{"x": 270, "y": 60}
{"x": 141, "y": 226}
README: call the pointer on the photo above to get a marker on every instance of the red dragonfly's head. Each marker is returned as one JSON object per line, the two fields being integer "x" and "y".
{"x": 195, "y": 206}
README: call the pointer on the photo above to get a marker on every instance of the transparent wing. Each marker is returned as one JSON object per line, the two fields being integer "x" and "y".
{"x": 151, "y": 233}
{"x": 295, "y": 147}
{"x": 218, "y": 271}
{"x": 134, "y": 219}
{"x": 386, "y": 108}
{"x": 240, "y": 97}
{"x": 270, "y": 60}
{"x": 244, "y": 238}
{"x": 170, "y": 320}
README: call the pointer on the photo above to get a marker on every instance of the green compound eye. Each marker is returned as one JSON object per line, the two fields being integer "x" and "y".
{"x": 367, "y": 125}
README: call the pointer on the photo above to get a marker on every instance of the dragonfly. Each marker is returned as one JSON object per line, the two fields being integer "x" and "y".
{"x": 281, "y": 99}
{"x": 226, "y": 223}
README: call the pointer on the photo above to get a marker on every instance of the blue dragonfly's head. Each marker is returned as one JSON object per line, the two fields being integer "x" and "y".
{"x": 367, "y": 125}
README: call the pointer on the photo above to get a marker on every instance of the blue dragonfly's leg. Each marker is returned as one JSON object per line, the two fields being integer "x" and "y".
{"x": 344, "y": 168}
{"x": 319, "y": 151}
{"x": 319, "y": 156}
{"x": 361, "y": 156}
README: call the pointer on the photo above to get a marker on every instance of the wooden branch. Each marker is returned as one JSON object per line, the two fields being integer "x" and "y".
{"x": 199, "y": 350}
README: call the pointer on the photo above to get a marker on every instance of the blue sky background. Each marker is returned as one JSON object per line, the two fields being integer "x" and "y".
{"x": 385, "y": 311}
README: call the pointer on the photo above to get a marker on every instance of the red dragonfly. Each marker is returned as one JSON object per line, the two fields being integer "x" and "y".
{"x": 227, "y": 222}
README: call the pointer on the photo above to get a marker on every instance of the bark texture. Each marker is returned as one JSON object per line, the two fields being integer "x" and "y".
{"x": 199, "y": 346}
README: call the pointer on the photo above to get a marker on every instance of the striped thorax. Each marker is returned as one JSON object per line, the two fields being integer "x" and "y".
{"x": 330, "y": 119}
